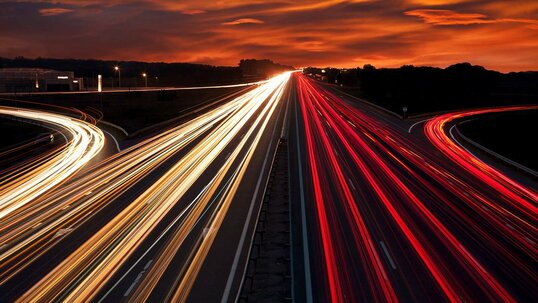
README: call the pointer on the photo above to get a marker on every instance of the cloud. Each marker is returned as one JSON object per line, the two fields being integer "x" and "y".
{"x": 54, "y": 11}
{"x": 448, "y": 17}
{"x": 243, "y": 21}
{"x": 336, "y": 33}
{"x": 193, "y": 11}
{"x": 436, "y": 2}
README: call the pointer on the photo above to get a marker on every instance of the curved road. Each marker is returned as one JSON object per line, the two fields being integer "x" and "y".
{"x": 392, "y": 216}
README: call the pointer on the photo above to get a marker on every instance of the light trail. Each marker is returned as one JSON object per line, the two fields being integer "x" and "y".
{"x": 523, "y": 198}
{"x": 87, "y": 270}
{"x": 137, "y": 89}
{"x": 462, "y": 241}
{"x": 395, "y": 221}
{"x": 28, "y": 232}
{"x": 20, "y": 187}
{"x": 338, "y": 277}
{"x": 191, "y": 268}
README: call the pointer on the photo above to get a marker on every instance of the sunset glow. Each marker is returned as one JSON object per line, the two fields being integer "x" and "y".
{"x": 501, "y": 35}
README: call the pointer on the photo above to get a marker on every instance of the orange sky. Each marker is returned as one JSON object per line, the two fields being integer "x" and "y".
{"x": 501, "y": 35}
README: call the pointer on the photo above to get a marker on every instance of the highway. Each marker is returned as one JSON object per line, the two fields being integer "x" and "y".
{"x": 186, "y": 193}
{"x": 390, "y": 215}
{"x": 24, "y": 183}
{"x": 382, "y": 209}
{"x": 133, "y": 89}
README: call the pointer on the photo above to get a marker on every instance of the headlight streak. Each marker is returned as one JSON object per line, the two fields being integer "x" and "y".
{"x": 87, "y": 270}
{"x": 496, "y": 226}
{"x": 29, "y": 231}
{"x": 85, "y": 142}
{"x": 422, "y": 197}
{"x": 197, "y": 256}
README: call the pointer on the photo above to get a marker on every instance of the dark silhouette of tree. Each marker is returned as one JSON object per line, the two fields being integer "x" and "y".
{"x": 261, "y": 68}
{"x": 426, "y": 89}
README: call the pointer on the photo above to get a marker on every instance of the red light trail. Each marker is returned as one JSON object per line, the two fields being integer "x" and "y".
{"x": 523, "y": 198}
{"x": 449, "y": 223}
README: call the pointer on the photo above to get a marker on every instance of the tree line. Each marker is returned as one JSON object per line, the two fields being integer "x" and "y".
{"x": 427, "y": 89}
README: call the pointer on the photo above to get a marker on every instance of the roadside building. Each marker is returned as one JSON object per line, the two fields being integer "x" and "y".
{"x": 23, "y": 80}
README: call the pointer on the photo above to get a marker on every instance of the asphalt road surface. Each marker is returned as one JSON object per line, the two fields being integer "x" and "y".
{"x": 390, "y": 215}
{"x": 155, "y": 221}
{"x": 383, "y": 209}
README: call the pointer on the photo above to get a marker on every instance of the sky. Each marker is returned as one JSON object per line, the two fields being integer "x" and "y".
{"x": 500, "y": 35}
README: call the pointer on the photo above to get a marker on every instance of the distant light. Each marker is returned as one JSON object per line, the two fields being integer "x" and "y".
{"x": 144, "y": 75}
{"x": 116, "y": 68}
{"x": 323, "y": 71}
{"x": 63, "y": 77}
{"x": 75, "y": 81}
{"x": 99, "y": 83}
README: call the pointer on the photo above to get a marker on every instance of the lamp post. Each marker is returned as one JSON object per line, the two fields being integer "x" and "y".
{"x": 145, "y": 76}
{"x": 99, "y": 83}
{"x": 117, "y": 68}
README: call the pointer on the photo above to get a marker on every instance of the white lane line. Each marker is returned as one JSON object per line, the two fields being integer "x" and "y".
{"x": 451, "y": 132}
{"x": 113, "y": 139}
{"x": 62, "y": 232}
{"x": 387, "y": 254}
{"x": 284, "y": 132}
{"x": 115, "y": 126}
{"x": 489, "y": 151}
{"x": 351, "y": 183}
{"x": 235, "y": 263}
{"x": 148, "y": 264}
{"x": 134, "y": 283}
{"x": 416, "y": 123}
{"x": 168, "y": 228}
{"x": 206, "y": 232}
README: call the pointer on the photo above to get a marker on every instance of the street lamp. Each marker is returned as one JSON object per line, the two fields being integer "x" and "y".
{"x": 99, "y": 83}
{"x": 145, "y": 76}
{"x": 117, "y": 68}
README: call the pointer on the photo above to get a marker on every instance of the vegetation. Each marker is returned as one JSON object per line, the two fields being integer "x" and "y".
{"x": 159, "y": 74}
{"x": 507, "y": 134}
{"x": 428, "y": 89}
